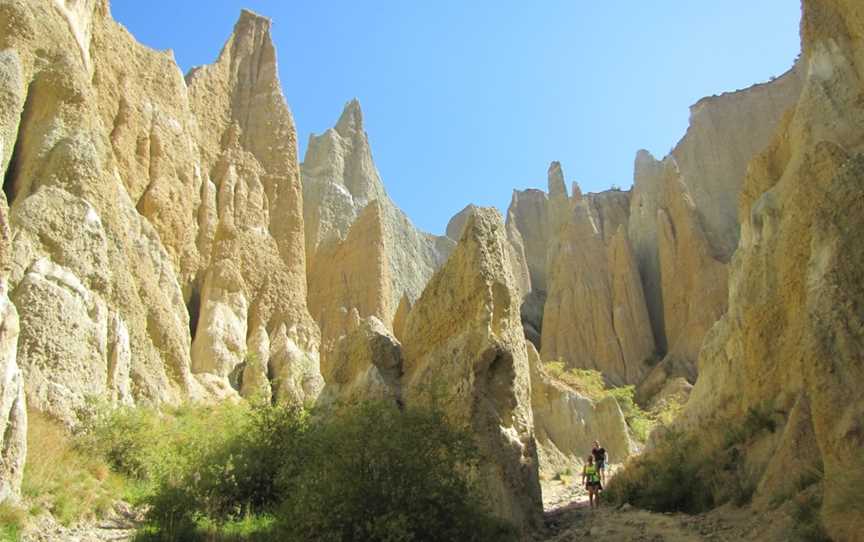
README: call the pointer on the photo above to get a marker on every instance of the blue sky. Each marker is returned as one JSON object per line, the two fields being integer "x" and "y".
{"x": 466, "y": 100}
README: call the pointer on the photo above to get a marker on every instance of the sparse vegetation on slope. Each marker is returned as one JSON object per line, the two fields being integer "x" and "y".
{"x": 689, "y": 473}
{"x": 591, "y": 384}
{"x": 63, "y": 479}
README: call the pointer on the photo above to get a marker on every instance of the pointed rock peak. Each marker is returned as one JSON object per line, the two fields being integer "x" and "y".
{"x": 351, "y": 120}
{"x": 457, "y": 223}
{"x": 368, "y": 225}
{"x": 483, "y": 229}
{"x": 514, "y": 198}
{"x": 644, "y": 157}
{"x": 251, "y": 21}
{"x": 557, "y": 188}
{"x": 577, "y": 192}
{"x": 250, "y": 40}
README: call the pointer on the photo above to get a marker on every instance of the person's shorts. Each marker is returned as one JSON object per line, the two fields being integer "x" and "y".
{"x": 601, "y": 465}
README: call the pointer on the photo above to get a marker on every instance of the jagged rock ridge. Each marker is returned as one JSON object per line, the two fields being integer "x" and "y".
{"x": 584, "y": 303}
{"x": 140, "y": 208}
{"x": 684, "y": 223}
{"x": 349, "y": 217}
{"x": 792, "y": 339}
{"x": 479, "y": 362}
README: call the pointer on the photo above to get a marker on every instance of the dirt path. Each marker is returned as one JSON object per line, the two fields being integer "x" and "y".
{"x": 568, "y": 518}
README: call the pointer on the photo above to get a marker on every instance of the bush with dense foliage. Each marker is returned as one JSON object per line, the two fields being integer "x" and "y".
{"x": 374, "y": 472}
{"x": 368, "y": 471}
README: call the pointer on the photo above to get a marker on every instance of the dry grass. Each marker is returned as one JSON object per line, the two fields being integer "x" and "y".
{"x": 68, "y": 483}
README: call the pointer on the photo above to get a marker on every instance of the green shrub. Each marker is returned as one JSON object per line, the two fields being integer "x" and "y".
{"x": 230, "y": 470}
{"x": 667, "y": 479}
{"x": 687, "y": 473}
{"x": 758, "y": 420}
{"x": 667, "y": 411}
{"x": 588, "y": 382}
{"x": 263, "y": 472}
{"x": 198, "y": 464}
{"x": 373, "y": 472}
{"x": 807, "y": 526}
{"x": 638, "y": 420}
{"x": 123, "y": 436}
{"x": 12, "y": 521}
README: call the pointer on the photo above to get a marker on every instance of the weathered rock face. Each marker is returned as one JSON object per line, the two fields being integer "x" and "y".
{"x": 792, "y": 337}
{"x": 538, "y": 217}
{"x": 479, "y": 361}
{"x": 13, "y": 412}
{"x": 595, "y": 315}
{"x": 352, "y": 274}
{"x": 584, "y": 303}
{"x": 79, "y": 242}
{"x": 528, "y": 212}
{"x": 340, "y": 183}
{"x": 366, "y": 364}
{"x": 251, "y": 223}
{"x": 566, "y": 424}
{"x": 706, "y": 170}
{"x": 140, "y": 201}
{"x": 521, "y": 275}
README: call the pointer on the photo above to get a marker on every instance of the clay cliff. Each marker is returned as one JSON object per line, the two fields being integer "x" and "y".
{"x": 684, "y": 224}
{"x": 476, "y": 365}
{"x": 364, "y": 253}
{"x": 160, "y": 243}
{"x": 584, "y": 303}
{"x": 674, "y": 232}
{"x": 253, "y": 324}
{"x": 595, "y": 315}
{"x": 13, "y": 411}
{"x": 791, "y": 341}
{"x": 148, "y": 210}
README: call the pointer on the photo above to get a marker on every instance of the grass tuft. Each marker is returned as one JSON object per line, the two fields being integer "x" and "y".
{"x": 12, "y": 520}
{"x": 70, "y": 483}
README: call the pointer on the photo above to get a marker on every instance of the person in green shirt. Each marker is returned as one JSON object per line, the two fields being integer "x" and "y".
{"x": 591, "y": 479}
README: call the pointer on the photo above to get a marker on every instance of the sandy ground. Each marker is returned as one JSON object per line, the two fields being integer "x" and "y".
{"x": 569, "y": 518}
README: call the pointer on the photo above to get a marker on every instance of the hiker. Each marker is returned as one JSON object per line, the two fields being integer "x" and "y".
{"x": 599, "y": 454}
{"x": 591, "y": 479}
